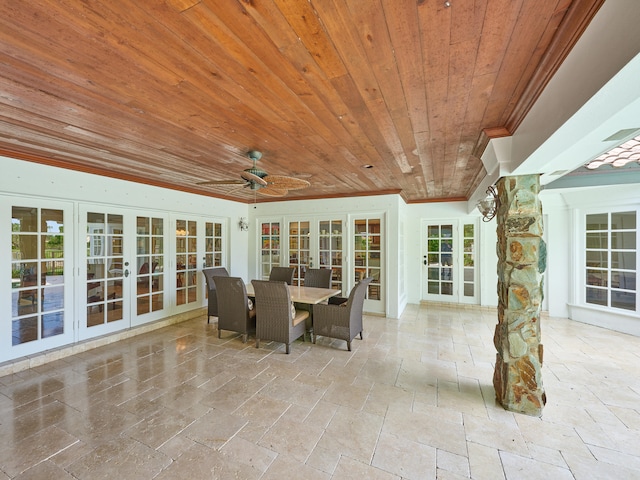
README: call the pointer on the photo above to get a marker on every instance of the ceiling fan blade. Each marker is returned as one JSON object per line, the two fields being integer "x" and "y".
{"x": 250, "y": 177}
{"x": 273, "y": 191}
{"x": 288, "y": 183}
{"x": 222, "y": 182}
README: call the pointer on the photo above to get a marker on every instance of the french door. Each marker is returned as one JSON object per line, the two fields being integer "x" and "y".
{"x": 122, "y": 269}
{"x": 316, "y": 243}
{"x": 198, "y": 243}
{"x": 449, "y": 263}
{"x": 368, "y": 259}
{"x": 37, "y": 238}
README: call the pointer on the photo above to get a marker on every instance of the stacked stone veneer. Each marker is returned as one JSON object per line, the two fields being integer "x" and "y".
{"x": 521, "y": 252}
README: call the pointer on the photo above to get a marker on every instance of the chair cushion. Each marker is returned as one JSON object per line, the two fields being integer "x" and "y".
{"x": 300, "y": 316}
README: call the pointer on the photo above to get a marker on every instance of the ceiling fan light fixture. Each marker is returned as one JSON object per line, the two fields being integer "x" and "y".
{"x": 257, "y": 180}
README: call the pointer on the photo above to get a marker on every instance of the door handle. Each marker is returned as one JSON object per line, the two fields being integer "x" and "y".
{"x": 126, "y": 273}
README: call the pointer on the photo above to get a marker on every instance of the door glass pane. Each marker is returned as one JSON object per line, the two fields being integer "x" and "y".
{"x": 37, "y": 274}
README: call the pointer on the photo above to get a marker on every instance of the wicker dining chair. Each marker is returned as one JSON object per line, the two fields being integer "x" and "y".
{"x": 234, "y": 312}
{"x": 282, "y": 274}
{"x": 314, "y": 277}
{"x": 341, "y": 321}
{"x": 212, "y": 300}
{"x": 318, "y": 277}
{"x": 276, "y": 320}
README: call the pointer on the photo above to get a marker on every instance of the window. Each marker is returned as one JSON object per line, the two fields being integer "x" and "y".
{"x": 611, "y": 259}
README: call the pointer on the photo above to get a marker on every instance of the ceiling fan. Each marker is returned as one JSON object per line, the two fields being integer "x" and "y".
{"x": 260, "y": 181}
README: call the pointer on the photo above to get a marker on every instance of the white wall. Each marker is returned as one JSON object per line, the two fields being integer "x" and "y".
{"x": 32, "y": 179}
{"x": 561, "y": 207}
{"x": 486, "y": 242}
{"x": 566, "y": 209}
{"x": 386, "y": 206}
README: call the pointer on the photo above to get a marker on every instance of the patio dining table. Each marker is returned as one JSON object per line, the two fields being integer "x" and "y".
{"x": 302, "y": 294}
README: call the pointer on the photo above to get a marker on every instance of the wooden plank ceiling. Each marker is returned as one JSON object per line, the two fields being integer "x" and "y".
{"x": 176, "y": 92}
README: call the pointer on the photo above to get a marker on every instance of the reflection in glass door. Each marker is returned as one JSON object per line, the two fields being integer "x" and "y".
{"x": 37, "y": 274}
{"x": 105, "y": 268}
{"x": 299, "y": 249}
{"x": 440, "y": 272}
{"x": 213, "y": 245}
{"x": 330, "y": 249}
{"x": 449, "y": 262}
{"x": 469, "y": 263}
{"x": 269, "y": 248}
{"x": 186, "y": 262}
{"x": 367, "y": 249}
{"x": 149, "y": 265}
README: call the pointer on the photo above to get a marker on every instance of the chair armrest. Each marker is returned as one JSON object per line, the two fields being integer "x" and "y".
{"x": 330, "y": 314}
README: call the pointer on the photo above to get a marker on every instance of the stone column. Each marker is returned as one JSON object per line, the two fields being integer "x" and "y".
{"x": 517, "y": 378}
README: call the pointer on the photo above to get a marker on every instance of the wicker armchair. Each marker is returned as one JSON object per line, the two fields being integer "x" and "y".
{"x": 209, "y": 273}
{"x": 282, "y": 274}
{"x": 341, "y": 321}
{"x": 318, "y": 277}
{"x": 233, "y": 309}
{"x": 275, "y": 321}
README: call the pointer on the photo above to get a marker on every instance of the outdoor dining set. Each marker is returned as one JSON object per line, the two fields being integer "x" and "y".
{"x": 279, "y": 311}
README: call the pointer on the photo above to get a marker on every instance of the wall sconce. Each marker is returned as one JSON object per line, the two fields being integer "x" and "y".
{"x": 243, "y": 225}
{"x": 488, "y": 207}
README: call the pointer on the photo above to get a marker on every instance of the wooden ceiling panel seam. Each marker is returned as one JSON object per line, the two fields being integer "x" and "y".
{"x": 376, "y": 43}
{"x": 311, "y": 32}
{"x": 179, "y": 91}
{"x": 322, "y": 124}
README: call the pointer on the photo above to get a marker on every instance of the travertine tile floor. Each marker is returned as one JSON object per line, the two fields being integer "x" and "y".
{"x": 414, "y": 400}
